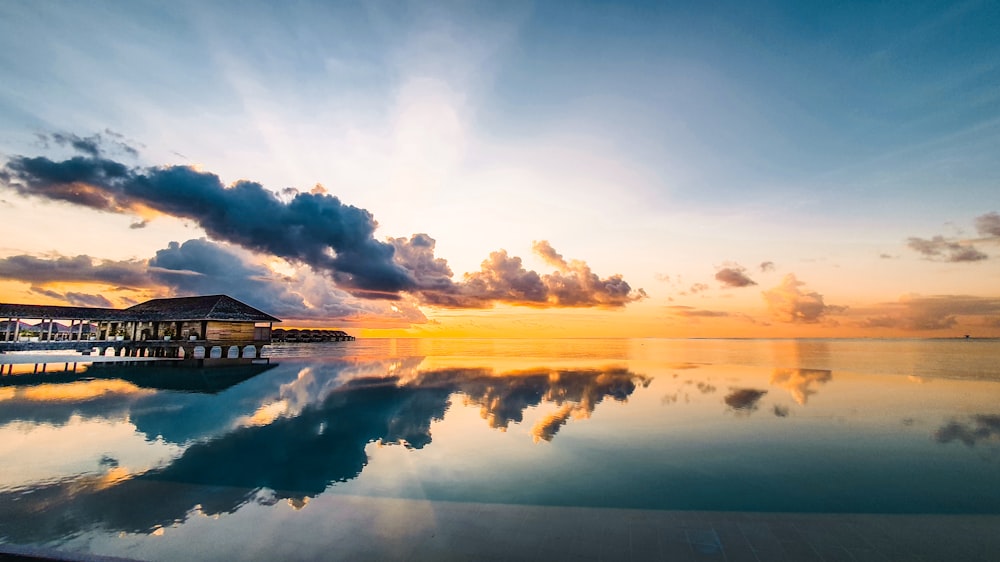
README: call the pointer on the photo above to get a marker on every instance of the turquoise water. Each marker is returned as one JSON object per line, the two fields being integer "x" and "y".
{"x": 846, "y": 426}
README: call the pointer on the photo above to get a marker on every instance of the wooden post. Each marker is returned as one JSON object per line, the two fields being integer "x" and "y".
{"x": 48, "y": 337}
{"x": 6, "y": 330}
{"x": 80, "y": 335}
{"x": 17, "y": 328}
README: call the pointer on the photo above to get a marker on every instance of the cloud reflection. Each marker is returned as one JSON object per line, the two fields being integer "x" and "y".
{"x": 978, "y": 429}
{"x": 306, "y": 432}
{"x": 744, "y": 400}
{"x": 800, "y": 382}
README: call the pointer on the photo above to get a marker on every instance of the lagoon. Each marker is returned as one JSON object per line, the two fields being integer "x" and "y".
{"x": 465, "y": 449}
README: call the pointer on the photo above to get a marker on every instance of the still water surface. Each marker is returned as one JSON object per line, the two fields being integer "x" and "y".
{"x": 826, "y": 426}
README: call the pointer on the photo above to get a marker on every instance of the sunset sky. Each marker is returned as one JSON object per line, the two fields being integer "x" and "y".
{"x": 504, "y": 169}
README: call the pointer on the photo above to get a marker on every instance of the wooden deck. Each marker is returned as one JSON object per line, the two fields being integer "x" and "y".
{"x": 187, "y": 349}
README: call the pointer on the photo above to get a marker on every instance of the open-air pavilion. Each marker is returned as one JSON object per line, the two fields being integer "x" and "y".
{"x": 168, "y": 327}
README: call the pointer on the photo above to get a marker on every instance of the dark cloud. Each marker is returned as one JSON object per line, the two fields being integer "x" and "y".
{"x": 916, "y": 313}
{"x": 204, "y": 267}
{"x": 83, "y": 269}
{"x": 744, "y": 399}
{"x": 941, "y": 249}
{"x": 139, "y": 224}
{"x": 734, "y": 276}
{"x": 781, "y": 411}
{"x": 314, "y": 229}
{"x": 75, "y": 299}
{"x": 766, "y": 266}
{"x": 979, "y": 428}
{"x": 788, "y": 302}
{"x": 886, "y": 256}
{"x": 504, "y": 279}
{"x": 989, "y": 224}
{"x": 84, "y": 299}
{"x": 46, "y": 292}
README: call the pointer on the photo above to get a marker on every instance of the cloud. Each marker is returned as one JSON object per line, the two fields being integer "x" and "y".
{"x": 697, "y": 288}
{"x": 504, "y": 279}
{"x": 941, "y": 249}
{"x": 766, "y": 266}
{"x": 75, "y": 299}
{"x": 416, "y": 254}
{"x": 88, "y": 300}
{"x": 691, "y": 312}
{"x": 94, "y": 145}
{"x": 940, "y": 312}
{"x": 989, "y": 224}
{"x": 313, "y": 229}
{"x": 82, "y": 269}
{"x": 46, "y": 292}
{"x": 203, "y": 267}
{"x": 545, "y": 251}
{"x": 734, "y": 276}
{"x": 982, "y": 427}
{"x": 789, "y": 303}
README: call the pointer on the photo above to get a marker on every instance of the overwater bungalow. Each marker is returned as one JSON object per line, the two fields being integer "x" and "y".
{"x": 310, "y": 335}
{"x": 167, "y": 327}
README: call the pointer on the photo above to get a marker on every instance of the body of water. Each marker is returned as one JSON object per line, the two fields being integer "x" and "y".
{"x": 142, "y": 461}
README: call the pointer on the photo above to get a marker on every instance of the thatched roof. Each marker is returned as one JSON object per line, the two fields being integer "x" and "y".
{"x": 211, "y": 307}
{"x": 60, "y": 312}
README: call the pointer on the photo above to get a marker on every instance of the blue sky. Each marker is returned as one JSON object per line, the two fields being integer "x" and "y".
{"x": 649, "y": 139}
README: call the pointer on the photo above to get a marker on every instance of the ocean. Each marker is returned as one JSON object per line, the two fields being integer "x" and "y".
{"x": 158, "y": 462}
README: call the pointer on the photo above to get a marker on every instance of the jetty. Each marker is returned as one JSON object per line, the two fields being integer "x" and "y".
{"x": 201, "y": 327}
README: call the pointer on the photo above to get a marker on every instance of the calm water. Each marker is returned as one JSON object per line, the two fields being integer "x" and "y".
{"x": 113, "y": 456}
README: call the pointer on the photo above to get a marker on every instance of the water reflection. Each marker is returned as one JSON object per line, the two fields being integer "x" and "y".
{"x": 127, "y": 452}
{"x": 289, "y": 436}
{"x": 800, "y": 383}
{"x": 744, "y": 400}
{"x": 981, "y": 428}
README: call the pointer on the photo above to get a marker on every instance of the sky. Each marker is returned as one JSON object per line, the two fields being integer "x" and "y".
{"x": 511, "y": 169}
